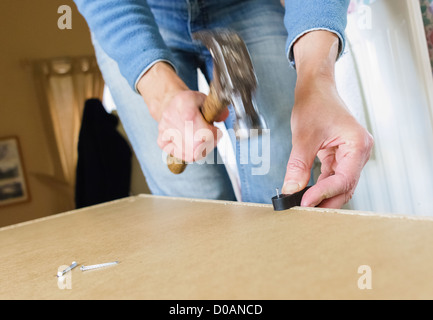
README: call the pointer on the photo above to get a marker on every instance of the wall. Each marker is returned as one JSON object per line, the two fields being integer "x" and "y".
{"x": 28, "y": 30}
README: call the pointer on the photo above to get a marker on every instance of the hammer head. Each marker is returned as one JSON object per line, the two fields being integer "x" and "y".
{"x": 234, "y": 79}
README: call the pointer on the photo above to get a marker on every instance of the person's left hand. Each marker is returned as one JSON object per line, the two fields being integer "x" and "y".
{"x": 322, "y": 126}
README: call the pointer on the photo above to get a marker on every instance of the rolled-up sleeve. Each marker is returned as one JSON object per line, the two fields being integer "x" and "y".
{"x": 303, "y": 16}
{"x": 128, "y": 33}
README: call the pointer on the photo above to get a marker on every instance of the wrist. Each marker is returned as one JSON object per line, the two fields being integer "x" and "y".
{"x": 315, "y": 54}
{"x": 158, "y": 86}
{"x": 314, "y": 84}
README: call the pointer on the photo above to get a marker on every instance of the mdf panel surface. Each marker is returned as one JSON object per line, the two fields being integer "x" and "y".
{"x": 194, "y": 249}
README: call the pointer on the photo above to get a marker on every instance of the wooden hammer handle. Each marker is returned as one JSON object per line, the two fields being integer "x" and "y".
{"x": 210, "y": 110}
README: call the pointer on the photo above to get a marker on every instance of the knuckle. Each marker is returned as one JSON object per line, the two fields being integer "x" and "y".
{"x": 363, "y": 141}
{"x": 189, "y": 114}
{"x": 366, "y": 141}
{"x": 349, "y": 185}
{"x": 348, "y": 196}
{"x": 165, "y": 117}
{"x": 369, "y": 142}
{"x": 361, "y": 145}
{"x": 296, "y": 165}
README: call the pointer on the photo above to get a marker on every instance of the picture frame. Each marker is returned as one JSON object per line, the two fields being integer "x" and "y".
{"x": 13, "y": 181}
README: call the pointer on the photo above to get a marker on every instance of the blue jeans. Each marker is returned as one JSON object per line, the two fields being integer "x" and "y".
{"x": 261, "y": 164}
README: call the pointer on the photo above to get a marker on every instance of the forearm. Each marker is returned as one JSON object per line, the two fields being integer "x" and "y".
{"x": 127, "y": 32}
{"x": 323, "y": 127}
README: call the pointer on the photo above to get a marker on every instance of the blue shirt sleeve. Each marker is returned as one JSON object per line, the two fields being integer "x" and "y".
{"x": 128, "y": 33}
{"x": 303, "y": 16}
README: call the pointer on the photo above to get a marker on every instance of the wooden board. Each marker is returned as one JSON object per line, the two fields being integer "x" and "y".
{"x": 191, "y": 249}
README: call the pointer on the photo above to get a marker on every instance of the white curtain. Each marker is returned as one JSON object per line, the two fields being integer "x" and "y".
{"x": 63, "y": 85}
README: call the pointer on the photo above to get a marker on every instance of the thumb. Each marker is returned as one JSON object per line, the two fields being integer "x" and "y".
{"x": 298, "y": 168}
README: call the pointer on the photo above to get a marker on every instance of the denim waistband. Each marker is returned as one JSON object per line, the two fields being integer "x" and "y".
{"x": 198, "y": 14}
{"x": 184, "y": 4}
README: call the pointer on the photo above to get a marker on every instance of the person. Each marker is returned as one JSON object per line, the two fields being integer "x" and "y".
{"x": 149, "y": 60}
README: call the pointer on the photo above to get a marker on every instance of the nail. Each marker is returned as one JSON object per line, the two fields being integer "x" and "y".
{"x": 72, "y": 266}
{"x": 97, "y": 266}
{"x": 291, "y": 187}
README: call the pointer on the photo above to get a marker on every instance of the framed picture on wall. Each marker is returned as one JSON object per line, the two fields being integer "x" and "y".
{"x": 13, "y": 184}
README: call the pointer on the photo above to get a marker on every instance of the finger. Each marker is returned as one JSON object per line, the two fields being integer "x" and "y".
{"x": 299, "y": 167}
{"x": 199, "y": 134}
{"x": 327, "y": 167}
{"x": 169, "y": 149}
{"x": 202, "y": 151}
{"x": 341, "y": 175}
{"x": 163, "y": 140}
{"x": 335, "y": 202}
{"x": 170, "y": 136}
{"x": 329, "y": 187}
{"x": 324, "y": 175}
{"x": 206, "y": 141}
{"x": 174, "y": 147}
{"x": 327, "y": 159}
{"x": 344, "y": 181}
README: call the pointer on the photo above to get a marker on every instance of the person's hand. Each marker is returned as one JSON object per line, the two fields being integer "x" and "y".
{"x": 322, "y": 126}
{"x": 183, "y": 132}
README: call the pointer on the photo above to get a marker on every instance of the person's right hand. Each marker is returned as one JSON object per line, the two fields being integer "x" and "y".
{"x": 183, "y": 132}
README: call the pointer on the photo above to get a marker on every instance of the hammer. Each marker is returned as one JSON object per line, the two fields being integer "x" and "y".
{"x": 234, "y": 82}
